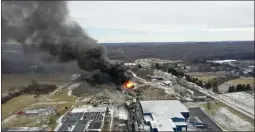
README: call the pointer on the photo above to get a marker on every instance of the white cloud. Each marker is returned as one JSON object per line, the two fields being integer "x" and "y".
{"x": 155, "y": 21}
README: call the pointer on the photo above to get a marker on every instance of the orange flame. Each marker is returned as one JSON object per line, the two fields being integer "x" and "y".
{"x": 128, "y": 84}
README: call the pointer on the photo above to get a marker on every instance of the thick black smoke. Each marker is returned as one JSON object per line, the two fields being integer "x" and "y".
{"x": 45, "y": 25}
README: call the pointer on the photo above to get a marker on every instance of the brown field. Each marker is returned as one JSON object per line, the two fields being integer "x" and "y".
{"x": 204, "y": 76}
{"x": 37, "y": 121}
{"x": 19, "y": 103}
{"x": 63, "y": 96}
{"x": 249, "y": 80}
{"x": 19, "y": 80}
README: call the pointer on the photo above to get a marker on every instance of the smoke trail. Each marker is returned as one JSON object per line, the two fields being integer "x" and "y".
{"x": 45, "y": 25}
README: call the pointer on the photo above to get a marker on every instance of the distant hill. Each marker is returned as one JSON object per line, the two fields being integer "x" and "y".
{"x": 15, "y": 61}
{"x": 166, "y": 43}
{"x": 183, "y": 50}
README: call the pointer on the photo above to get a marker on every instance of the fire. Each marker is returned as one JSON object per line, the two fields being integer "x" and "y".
{"x": 128, "y": 84}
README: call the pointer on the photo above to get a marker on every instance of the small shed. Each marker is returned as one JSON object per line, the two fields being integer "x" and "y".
{"x": 20, "y": 113}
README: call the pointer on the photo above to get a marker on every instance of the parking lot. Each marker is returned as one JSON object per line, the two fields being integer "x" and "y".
{"x": 211, "y": 126}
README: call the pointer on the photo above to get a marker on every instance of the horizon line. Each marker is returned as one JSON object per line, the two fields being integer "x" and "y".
{"x": 179, "y": 41}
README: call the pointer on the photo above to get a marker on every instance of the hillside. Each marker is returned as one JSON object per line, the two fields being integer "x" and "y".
{"x": 183, "y": 50}
{"x": 15, "y": 61}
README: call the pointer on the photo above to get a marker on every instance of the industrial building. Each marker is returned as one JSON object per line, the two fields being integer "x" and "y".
{"x": 82, "y": 119}
{"x": 38, "y": 111}
{"x": 165, "y": 115}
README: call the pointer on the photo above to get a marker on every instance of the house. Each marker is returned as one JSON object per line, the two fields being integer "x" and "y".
{"x": 165, "y": 115}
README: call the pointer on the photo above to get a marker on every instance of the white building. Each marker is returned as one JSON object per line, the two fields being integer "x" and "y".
{"x": 165, "y": 115}
{"x": 41, "y": 111}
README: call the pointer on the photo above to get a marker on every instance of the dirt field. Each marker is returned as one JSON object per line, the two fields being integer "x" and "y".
{"x": 204, "y": 76}
{"x": 20, "y": 80}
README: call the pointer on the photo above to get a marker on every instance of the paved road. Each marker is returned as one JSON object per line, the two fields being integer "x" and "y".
{"x": 204, "y": 118}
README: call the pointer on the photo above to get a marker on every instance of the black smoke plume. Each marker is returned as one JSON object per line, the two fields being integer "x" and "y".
{"x": 45, "y": 25}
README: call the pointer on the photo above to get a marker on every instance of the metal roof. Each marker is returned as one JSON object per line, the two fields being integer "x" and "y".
{"x": 162, "y": 111}
{"x": 162, "y": 123}
{"x": 79, "y": 121}
{"x": 169, "y": 108}
{"x": 80, "y": 126}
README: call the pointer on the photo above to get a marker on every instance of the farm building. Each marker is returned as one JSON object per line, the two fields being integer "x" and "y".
{"x": 165, "y": 115}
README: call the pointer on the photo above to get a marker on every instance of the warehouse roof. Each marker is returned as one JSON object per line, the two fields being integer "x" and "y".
{"x": 169, "y": 108}
{"x": 80, "y": 119}
{"x": 162, "y": 123}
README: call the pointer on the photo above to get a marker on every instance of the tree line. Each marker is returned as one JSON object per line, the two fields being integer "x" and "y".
{"x": 33, "y": 88}
{"x": 239, "y": 88}
{"x": 214, "y": 83}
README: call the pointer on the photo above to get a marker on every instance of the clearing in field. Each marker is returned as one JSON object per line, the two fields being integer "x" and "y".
{"x": 227, "y": 118}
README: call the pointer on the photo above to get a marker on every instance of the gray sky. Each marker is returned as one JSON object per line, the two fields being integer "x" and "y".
{"x": 165, "y": 21}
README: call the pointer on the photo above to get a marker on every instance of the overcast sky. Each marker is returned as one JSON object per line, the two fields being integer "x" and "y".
{"x": 165, "y": 21}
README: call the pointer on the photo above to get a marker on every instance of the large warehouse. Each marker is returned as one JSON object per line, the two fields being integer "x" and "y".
{"x": 165, "y": 115}
{"x": 82, "y": 119}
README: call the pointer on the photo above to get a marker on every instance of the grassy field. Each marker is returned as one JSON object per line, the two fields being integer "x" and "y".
{"x": 62, "y": 95}
{"x": 215, "y": 106}
{"x": 212, "y": 107}
{"x": 203, "y": 76}
{"x": 19, "y": 103}
{"x": 23, "y": 121}
{"x": 27, "y": 101}
{"x": 249, "y": 80}
{"x": 37, "y": 121}
{"x": 19, "y": 80}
